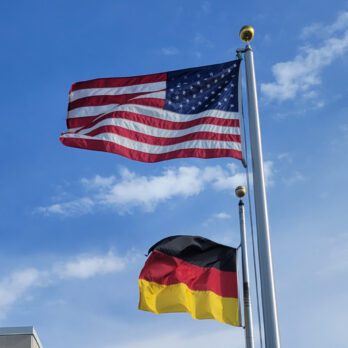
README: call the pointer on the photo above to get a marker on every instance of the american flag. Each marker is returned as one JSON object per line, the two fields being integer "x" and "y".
{"x": 192, "y": 112}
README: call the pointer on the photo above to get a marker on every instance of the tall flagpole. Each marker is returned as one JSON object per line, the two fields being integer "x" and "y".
{"x": 248, "y": 316}
{"x": 269, "y": 306}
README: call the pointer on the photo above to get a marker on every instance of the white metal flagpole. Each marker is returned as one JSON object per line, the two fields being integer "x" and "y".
{"x": 269, "y": 306}
{"x": 248, "y": 316}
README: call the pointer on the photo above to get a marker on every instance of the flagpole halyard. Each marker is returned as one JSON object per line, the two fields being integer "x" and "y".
{"x": 271, "y": 328}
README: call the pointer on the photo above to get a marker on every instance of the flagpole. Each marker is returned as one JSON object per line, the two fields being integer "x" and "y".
{"x": 248, "y": 316}
{"x": 269, "y": 306}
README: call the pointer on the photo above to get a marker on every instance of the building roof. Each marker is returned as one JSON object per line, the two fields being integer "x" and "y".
{"x": 22, "y": 330}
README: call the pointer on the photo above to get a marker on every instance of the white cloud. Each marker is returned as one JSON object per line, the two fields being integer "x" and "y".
{"x": 268, "y": 167}
{"x": 147, "y": 192}
{"x": 222, "y": 216}
{"x": 300, "y": 76}
{"x": 311, "y": 30}
{"x": 229, "y": 182}
{"x": 129, "y": 190}
{"x": 18, "y": 283}
{"x": 84, "y": 267}
{"x": 71, "y": 208}
{"x": 217, "y": 216}
{"x": 321, "y": 31}
{"x": 98, "y": 181}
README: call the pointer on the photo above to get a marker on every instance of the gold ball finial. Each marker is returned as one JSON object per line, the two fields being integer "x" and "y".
{"x": 247, "y": 33}
{"x": 240, "y": 191}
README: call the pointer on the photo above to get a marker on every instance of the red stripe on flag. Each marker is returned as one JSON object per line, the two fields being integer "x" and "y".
{"x": 107, "y": 146}
{"x": 153, "y": 102}
{"x": 152, "y": 121}
{"x": 78, "y": 122}
{"x": 118, "y": 81}
{"x": 168, "y": 270}
{"x": 163, "y": 141}
{"x": 103, "y": 100}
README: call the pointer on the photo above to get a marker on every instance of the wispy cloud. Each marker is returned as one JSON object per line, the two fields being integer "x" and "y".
{"x": 84, "y": 267}
{"x": 71, "y": 208}
{"x": 336, "y": 261}
{"x": 222, "y": 216}
{"x": 216, "y": 217}
{"x": 323, "y": 31}
{"x": 300, "y": 76}
{"x": 201, "y": 41}
{"x": 200, "y": 44}
{"x": 130, "y": 190}
{"x": 206, "y": 7}
{"x": 269, "y": 173}
{"x": 294, "y": 178}
{"x": 314, "y": 103}
{"x": 147, "y": 192}
{"x": 17, "y": 284}
{"x": 285, "y": 156}
{"x": 169, "y": 51}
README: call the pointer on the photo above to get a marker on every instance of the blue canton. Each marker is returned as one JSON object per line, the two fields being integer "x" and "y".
{"x": 190, "y": 91}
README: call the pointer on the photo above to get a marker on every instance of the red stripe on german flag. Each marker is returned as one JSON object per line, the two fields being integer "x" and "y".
{"x": 191, "y": 274}
{"x": 174, "y": 270}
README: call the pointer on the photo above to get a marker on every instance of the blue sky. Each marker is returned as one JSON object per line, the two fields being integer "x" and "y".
{"x": 75, "y": 224}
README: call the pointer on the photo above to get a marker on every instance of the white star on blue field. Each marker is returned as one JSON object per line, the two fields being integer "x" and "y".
{"x": 75, "y": 224}
{"x": 194, "y": 90}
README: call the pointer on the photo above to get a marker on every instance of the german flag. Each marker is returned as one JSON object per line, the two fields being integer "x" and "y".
{"x": 191, "y": 274}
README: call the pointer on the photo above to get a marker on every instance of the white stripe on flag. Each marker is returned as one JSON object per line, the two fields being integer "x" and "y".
{"x": 92, "y": 110}
{"x": 155, "y": 95}
{"x": 156, "y": 149}
{"x": 159, "y": 132}
{"x": 89, "y": 92}
{"x": 150, "y": 111}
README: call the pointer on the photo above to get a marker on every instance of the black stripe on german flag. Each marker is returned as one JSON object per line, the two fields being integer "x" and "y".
{"x": 191, "y": 274}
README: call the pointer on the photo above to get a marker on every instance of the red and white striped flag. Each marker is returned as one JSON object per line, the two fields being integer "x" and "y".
{"x": 193, "y": 112}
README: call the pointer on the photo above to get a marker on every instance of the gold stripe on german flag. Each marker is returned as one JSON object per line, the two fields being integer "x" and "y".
{"x": 191, "y": 274}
